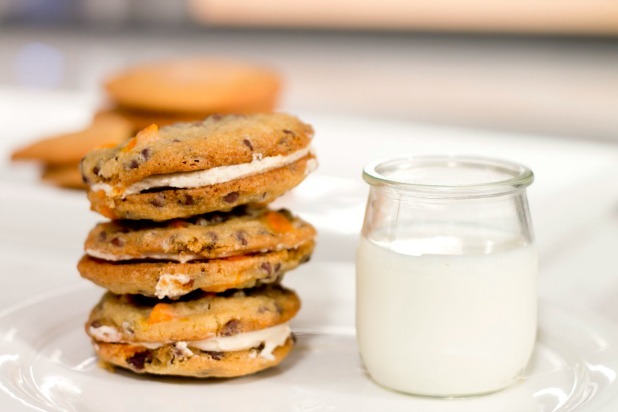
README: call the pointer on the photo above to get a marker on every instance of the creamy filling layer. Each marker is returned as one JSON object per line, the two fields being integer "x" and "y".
{"x": 176, "y": 257}
{"x": 215, "y": 175}
{"x": 157, "y": 256}
{"x": 172, "y": 285}
{"x": 270, "y": 338}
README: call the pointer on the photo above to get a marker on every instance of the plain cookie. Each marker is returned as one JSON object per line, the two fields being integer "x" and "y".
{"x": 196, "y": 86}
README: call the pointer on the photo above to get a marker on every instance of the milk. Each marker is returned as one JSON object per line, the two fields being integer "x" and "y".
{"x": 458, "y": 320}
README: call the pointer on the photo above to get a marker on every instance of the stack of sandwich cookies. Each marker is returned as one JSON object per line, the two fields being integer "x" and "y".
{"x": 194, "y": 289}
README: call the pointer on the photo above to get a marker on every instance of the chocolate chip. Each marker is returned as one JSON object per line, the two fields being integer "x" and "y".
{"x": 267, "y": 267}
{"x": 214, "y": 355}
{"x": 158, "y": 201}
{"x": 188, "y": 200}
{"x": 139, "y": 359}
{"x": 95, "y": 324}
{"x": 117, "y": 242}
{"x": 279, "y": 308}
{"x": 277, "y": 267}
{"x": 176, "y": 141}
{"x": 232, "y": 327}
{"x": 96, "y": 170}
{"x": 146, "y": 153}
{"x": 133, "y": 164}
{"x": 231, "y": 197}
{"x": 305, "y": 259}
{"x": 263, "y": 309}
{"x": 242, "y": 237}
{"x": 287, "y": 131}
{"x": 213, "y": 237}
{"x": 216, "y": 117}
{"x": 84, "y": 179}
{"x": 102, "y": 236}
{"x": 247, "y": 143}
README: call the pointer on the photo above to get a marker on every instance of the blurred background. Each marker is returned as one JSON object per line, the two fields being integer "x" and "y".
{"x": 546, "y": 67}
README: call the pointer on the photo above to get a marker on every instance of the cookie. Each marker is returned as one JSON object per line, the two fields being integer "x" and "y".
{"x": 67, "y": 176}
{"x": 165, "y": 279}
{"x": 177, "y": 360}
{"x": 197, "y": 86}
{"x": 229, "y": 334}
{"x": 69, "y": 148}
{"x": 191, "y": 168}
{"x": 210, "y": 236}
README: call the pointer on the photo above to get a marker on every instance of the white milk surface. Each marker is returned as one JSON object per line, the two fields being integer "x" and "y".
{"x": 445, "y": 325}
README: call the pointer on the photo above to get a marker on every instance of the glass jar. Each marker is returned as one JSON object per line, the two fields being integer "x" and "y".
{"x": 446, "y": 272}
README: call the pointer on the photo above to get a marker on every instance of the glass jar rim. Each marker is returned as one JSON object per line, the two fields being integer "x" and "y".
{"x": 515, "y": 176}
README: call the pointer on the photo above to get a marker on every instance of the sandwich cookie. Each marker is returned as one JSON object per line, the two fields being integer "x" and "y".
{"x": 188, "y": 169}
{"x": 212, "y": 252}
{"x": 226, "y": 335}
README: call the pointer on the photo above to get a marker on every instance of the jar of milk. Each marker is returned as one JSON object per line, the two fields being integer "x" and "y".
{"x": 446, "y": 299}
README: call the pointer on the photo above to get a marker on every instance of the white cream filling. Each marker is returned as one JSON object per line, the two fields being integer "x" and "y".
{"x": 182, "y": 347}
{"x": 105, "y": 333}
{"x": 157, "y": 256}
{"x": 271, "y": 338}
{"x": 198, "y": 178}
{"x": 172, "y": 285}
{"x": 176, "y": 257}
{"x": 312, "y": 164}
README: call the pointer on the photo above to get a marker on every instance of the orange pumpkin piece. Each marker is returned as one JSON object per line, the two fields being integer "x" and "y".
{"x": 161, "y": 312}
{"x": 278, "y": 222}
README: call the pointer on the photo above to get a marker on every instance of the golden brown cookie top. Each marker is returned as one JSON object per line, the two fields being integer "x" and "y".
{"x": 199, "y": 85}
{"x": 183, "y": 148}
{"x": 209, "y": 236}
{"x": 134, "y": 318}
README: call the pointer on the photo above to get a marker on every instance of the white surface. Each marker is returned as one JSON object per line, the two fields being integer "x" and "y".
{"x": 47, "y": 364}
{"x": 573, "y": 204}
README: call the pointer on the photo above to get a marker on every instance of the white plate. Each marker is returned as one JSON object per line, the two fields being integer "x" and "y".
{"x": 47, "y": 363}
